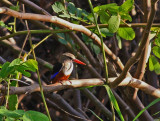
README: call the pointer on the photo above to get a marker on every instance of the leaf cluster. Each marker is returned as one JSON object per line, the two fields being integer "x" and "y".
{"x": 154, "y": 64}
{"x": 16, "y": 66}
{"x": 21, "y": 115}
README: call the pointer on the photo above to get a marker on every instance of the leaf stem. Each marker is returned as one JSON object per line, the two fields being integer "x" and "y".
{"x": 101, "y": 38}
{"x": 104, "y": 56}
{"x": 7, "y": 97}
{"x": 40, "y": 84}
{"x": 38, "y": 44}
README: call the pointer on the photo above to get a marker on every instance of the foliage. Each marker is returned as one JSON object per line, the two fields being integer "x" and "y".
{"x": 21, "y": 115}
{"x": 113, "y": 23}
{"x": 126, "y": 33}
{"x": 76, "y": 15}
{"x": 2, "y": 24}
{"x": 110, "y": 14}
{"x": 71, "y": 12}
{"x": 13, "y": 70}
{"x": 113, "y": 15}
{"x": 154, "y": 64}
{"x": 18, "y": 65}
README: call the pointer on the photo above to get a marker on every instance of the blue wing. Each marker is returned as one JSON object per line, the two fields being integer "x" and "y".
{"x": 54, "y": 75}
{"x": 56, "y": 69}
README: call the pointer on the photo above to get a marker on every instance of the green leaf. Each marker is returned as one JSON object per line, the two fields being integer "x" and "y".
{"x": 152, "y": 103}
{"x": 1, "y": 117}
{"x": 16, "y": 8}
{"x": 126, "y": 33}
{"x": 157, "y": 69}
{"x": 9, "y": 68}
{"x": 85, "y": 15}
{"x": 25, "y": 73}
{"x": 34, "y": 116}
{"x": 105, "y": 32}
{"x": 13, "y": 99}
{"x": 151, "y": 63}
{"x": 15, "y": 62}
{"x": 61, "y": 39}
{"x": 119, "y": 41}
{"x": 114, "y": 101}
{"x": 65, "y": 15}
{"x": 96, "y": 49}
{"x": 157, "y": 41}
{"x": 113, "y": 23}
{"x": 2, "y": 24}
{"x": 114, "y": 10}
{"x": 13, "y": 102}
{"x": 71, "y": 8}
{"x": 90, "y": 17}
{"x": 79, "y": 12}
{"x": 3, "y": 72}
{"x": 156, "y": 51}
{"x": 127, "y": 6}
{"x": 104, "y": 17}
{"x": 104, "y": 7}
{"x": 31, "y": 64}
{"x": 154, "y": 65}
{"x": 126, "y": 16}
{"x": 9, "y": 113}
{"x": 20, "y": 112}
{"x": 155, "y": 29}
{"x": 86, "y": 39}
{"x": 152, "y": 35}
{"x": 58, "y": 7}
{"x": 75, "y": 17}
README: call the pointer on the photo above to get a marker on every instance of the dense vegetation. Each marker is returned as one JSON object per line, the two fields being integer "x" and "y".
{"x": 119, "y": 41}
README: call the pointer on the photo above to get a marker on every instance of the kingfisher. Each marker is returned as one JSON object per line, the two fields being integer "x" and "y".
{"x": 65, "y": 68}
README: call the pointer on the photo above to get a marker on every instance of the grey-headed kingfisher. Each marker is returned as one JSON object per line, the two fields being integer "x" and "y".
{"x": 65, "y": 68}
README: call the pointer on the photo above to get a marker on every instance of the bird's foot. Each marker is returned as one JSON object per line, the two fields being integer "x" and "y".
{"x": 61, "y": 82}
{"x": 69, "y": 81}
{"x": 65, "y": 80}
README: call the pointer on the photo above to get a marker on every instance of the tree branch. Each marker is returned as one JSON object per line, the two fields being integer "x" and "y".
{"x": 128, "y": 81}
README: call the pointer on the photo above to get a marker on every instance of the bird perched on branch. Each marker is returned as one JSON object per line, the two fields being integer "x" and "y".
{"x": 63, "y": 70}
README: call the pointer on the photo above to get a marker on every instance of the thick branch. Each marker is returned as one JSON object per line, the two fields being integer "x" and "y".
{"x": 128, "y": 81}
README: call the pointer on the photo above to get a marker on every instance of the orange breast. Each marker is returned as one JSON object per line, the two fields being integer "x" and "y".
{"x": 59, "y": 77}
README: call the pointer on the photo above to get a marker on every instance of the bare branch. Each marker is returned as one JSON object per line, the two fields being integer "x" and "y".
{"x": 128, "y": 81}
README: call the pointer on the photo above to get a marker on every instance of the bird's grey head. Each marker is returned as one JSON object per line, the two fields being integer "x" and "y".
{"x": 67, "y": 56}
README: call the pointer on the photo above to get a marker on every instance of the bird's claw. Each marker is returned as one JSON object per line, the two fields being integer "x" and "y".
{"x": 66, "y": 80}
{"x": 69, "y": 81}
{"x": 61, "y": 82}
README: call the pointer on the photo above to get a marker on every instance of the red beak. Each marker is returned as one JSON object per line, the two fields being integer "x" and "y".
{"x": 78, "y": 61}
